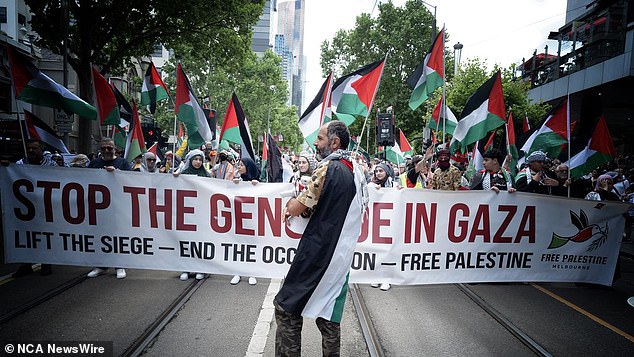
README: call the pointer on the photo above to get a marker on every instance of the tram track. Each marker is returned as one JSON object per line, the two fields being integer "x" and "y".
{"x": 144, "y": 340}
{"x": 42, "y": 298}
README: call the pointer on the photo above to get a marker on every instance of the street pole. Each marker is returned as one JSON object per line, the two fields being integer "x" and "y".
{"x": 433, "y": 27}
{"x": 65, "y": 57}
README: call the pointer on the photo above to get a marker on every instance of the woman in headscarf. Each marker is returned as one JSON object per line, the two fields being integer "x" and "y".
{"x": 306, "y": 164}
{"x": 248, "y": 171}
{"x": 193, "y": 166}
{"x": 603, "y": 190}
{"x": 383, "y": 177}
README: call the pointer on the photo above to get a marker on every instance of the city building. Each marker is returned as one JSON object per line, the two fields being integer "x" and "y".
{"x": 291, "y": 24}
{"x": 592, "y": 63}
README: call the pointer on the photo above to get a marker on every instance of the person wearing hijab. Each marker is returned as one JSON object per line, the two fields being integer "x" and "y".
{"x": 603, "y": 190}
{"x": 383, "y": 177}
{"x": 149, "y": 163}
{"x": 305, "y": 164}
{"x": 248, "y": 171}
{"x": 193, "y": 166}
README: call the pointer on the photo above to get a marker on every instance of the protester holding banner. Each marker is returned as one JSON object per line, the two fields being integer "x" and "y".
{"x": 316, "y": 283}
{"x": 493, "y": 177}
{"x": 224, "y": 170}
{"x": 149, "y": 163}
{"x": 603, "y": 191}
{"x": 109, "y": 161}
{"x": 193, "y": 166}
{"x": 34, "y": 156}
{"x": 383, "y": 177}
{"x": 447, "y": 177}
{"x": 248, "y": 171}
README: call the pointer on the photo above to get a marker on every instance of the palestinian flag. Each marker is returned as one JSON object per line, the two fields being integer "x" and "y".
{"x": 396, "y": 153}
{"x": 189, "y": 112}
{"x": 272, "y": 170}
{"x": 33, "y": 86}
{"x": 526, "y": 126}
{"x": 510, "y": 144}
{"x": 483, "y": 112}
{"x": 235, "y": 128}
{"x": 125, "y": 109}
{"x": 316, "y": 284}
{"x": 107, "y": 108}
{"x": 155, "y": 150}
{"x": 429, "y": 75}
{"x": 318, "y": 112}
{"x": 436, "y": 121}
{"x": 154, "y": 89}
{"x": 119, "y": 137}
{"x": 135, "y": 143}
{"x": 353, "y": 94}
{"x": 476, "y": 160}
{"x": 552, "y": 134}
{"x": 210, "y": 114}
{"x": 37, "y": 129}
{"x": 600, "y": 149}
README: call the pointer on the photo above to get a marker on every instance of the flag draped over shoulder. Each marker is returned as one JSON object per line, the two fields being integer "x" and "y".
{"x": 107, "y": 108}
{"x": 37, "y": 129}
{"x": 436, "y": 120}
{"x": 353, "y": 94}
{"x": 154, "y": 89}
{"x": 272, "y": 169}
{"x": 483, "y": 112}
{"x": 318, "y": 112}
{"x": 235, "y": 128}
{"x": 33, "y": 86}
{"x": 552, "y": 134}
{"x": 189, "y": 111}
{"x": 428, "y": 75}
{"x": 599, "y": 150}
{"x": 135, "y": 143}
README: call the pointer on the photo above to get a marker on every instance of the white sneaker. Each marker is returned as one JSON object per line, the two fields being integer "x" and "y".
{"x": 96, "y": 272}
{"x": 184, "y": 276}
{"x": 252, "y": 281}
{"x": 385, "y": 286}
{"x": 121, "y": 273}
{"x": 200, "y": 276}
{"x": 235, "y": 280}
{"x": 374, "y": 285}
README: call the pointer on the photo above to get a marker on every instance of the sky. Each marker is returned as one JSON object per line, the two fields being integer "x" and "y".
{"x": 498, "y": 31}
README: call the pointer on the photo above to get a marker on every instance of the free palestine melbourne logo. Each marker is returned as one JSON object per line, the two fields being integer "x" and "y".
{"x": 586, "y": 231}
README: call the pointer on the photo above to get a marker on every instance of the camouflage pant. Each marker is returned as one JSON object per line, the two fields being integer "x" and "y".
{"x": 288, "y": 337}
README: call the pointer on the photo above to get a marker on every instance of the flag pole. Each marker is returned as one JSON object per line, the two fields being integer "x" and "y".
{"x": 568, "y": 137}
{"x": 444, "y": 88}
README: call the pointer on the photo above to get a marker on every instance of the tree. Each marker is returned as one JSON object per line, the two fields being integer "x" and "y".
{"x": 258, "y": 84}
{"x": 110, "y": 33}
{"x": 405, "y": 34}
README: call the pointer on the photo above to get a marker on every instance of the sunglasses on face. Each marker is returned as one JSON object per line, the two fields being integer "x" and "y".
{"x": 151, "y": 159}
{"x": 107, "y": 148}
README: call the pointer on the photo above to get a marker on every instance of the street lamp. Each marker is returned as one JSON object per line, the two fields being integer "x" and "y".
{"x": 433, "y": 29}
{"x": 457, "y": 53}
{"x": 268, "y": 117}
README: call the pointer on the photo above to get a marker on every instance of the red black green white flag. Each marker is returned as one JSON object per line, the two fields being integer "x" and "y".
{"x": 552, "y": 135}
{"x": 37, "y": 129}
{"x": 353, "y": 94}
{"x": 318, "y": 112}
{"x": 271, "y": 168}
{"x": 189, "y": 111}
{"x": 483, "y": 112}
{"x": 107, "y": 107}
{"x": 154, "y": 89}
{"x": 235, "y": 128}
{"x": 135, "y": 142}
{"x": 599, "y": 150}
{"x": 437, "y": 122}
{"x": 429, "y": 75}
{"x": 33, "y": 86}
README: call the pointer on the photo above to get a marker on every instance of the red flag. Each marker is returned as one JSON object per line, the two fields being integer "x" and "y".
{"x": 526, "y": 126}
{"x": 403, "y": 143}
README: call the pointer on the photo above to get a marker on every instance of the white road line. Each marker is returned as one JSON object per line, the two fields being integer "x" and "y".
{"x": 263, "y": 325}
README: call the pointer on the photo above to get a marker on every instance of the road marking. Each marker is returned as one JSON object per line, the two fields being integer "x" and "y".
{"x": 584, "y": 312}
{"x": 263, "y": 325}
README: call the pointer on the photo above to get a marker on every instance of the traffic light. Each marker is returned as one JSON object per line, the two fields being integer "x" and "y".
{"x": 385, "y": 129}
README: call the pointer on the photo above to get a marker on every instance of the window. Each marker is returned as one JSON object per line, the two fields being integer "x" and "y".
{"x": 3, "y": 14}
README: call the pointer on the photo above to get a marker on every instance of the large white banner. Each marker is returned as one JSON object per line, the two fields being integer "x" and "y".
{"x": 129, "y": 219}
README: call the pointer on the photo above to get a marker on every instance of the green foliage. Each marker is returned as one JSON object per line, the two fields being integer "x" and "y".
{"x": 405, "y": 35}
{"x": 258, "y": 84}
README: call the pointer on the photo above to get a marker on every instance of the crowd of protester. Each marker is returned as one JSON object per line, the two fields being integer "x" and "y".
{"x": 435, "y": 170}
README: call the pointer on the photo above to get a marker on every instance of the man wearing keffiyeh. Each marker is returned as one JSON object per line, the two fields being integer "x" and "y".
{"x": 493, "y": 177}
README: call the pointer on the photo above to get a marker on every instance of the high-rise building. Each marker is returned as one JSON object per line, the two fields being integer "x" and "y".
{"x": 291, "y": 25}
{"x": 264, "y": 29}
